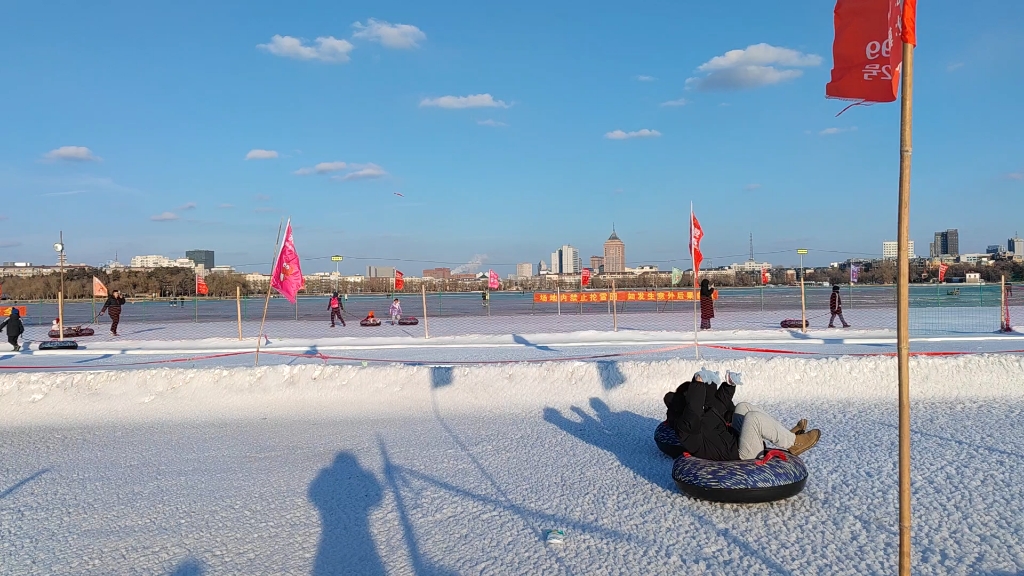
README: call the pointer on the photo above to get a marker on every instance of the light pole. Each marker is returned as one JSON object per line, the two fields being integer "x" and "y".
{"x": 337, "y": 263}
{"x": 59, "y": 248}
{"x": 803, "y": 301}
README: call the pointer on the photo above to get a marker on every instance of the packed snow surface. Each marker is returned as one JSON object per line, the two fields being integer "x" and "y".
{"x": 398, "y": 469}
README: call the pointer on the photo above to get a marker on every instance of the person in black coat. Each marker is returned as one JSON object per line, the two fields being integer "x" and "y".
{"x": 707, "y": 304}
{"x": 15, "y": 328}
{"x": 711, "y": 427}
{"x": 113, "y": 307}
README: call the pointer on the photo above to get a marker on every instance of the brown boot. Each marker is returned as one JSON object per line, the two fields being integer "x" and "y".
{"x": 800, "y": 426}
{"x": 804, "y": 441}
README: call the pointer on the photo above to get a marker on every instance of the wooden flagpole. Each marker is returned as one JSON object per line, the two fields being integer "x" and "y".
{"x": 902, "y": 305}
{"x": 696, "y": 348}
{"x": 266, "y": 303}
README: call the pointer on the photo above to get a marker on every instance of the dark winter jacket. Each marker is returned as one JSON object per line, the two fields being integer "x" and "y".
{"x": 707, "y": 302}
{"x": 113, "y": 302}
{"x": 14, "y": 326}
{"x": 835, "y": 303}
{"x": 702, "y": 416}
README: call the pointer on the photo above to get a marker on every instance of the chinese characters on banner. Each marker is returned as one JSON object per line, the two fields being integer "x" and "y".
{"x": 399, "y": 280}
{"x": 492, "y": 280}
{"x": 942, "y": 271}
{"x": 585, "y": 277}
{"x": 201, "y": 287}
{"x": 287, "y": 277}
{"x": 696, "y": 233}
{"x": 854, "y": 273}
{"x": 868, "y": 51}
{"x": 621, "y": 296}
{"x": 764, "y": 277}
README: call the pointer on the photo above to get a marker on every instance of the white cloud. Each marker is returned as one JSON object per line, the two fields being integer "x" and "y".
{"x": 954, "y": 66}
{"x": 751, "y": 187}
{"x": 679, "y": 102}
{"x": 643, "y": 133}
{"x": 322, "y": 168}
{"x": 471, "y": 101}
{"x": 260, "y": 154}
{"x": 491, "y": 122}
{"x": 68, "y": 193}
{"x": 363, "y": 172}
{"x": 831, "y": 131}
{"x": 326, "y": 49}
{"x": 391, "y": 35}
{"x": 262, "y": 197}
{"x": 1015, "y": 175}
{"x": 9, "y": 243}
{"x": 643, "y": 78}
{"x": 226, "y": 206}
{"x": 72, "y": 153}
{"x": 164, "y": 217}
{"x": 188, "y": 206}
{"x": 756, "y": 65}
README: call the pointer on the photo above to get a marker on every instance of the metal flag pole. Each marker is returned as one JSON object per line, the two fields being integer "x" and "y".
{"x": 902, "y": 304}
{"x": 693, "y": 262}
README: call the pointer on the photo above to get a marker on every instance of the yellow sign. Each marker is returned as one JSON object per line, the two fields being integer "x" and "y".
{"x": 336, "y": 258}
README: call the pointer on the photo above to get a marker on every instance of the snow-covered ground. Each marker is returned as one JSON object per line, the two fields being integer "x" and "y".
{"x": 316, "y": 469}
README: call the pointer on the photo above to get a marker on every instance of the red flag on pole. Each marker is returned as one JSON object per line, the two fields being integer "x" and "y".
{"x": 287, "y": 277}
{"x": 868, "y": 51}
{"x": 696, "y": 233}
{"x": 399, "y": 280}
{"x": 908, "y": 29}
{"x": 942, "y": 272}
{"x": 493, "y": 281}
{"x": 585, "y": 277}
{"x": 764, "y": 275}
{"x": 201, "y": 287}
{"x": 98, "y": 288}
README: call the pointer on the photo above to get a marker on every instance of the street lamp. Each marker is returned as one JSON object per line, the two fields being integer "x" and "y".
{"x": 59, "y": 248}
{"x": 803, "y": 301}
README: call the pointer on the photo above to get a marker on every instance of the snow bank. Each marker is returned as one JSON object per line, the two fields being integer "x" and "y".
{"x": 387, "y": 391}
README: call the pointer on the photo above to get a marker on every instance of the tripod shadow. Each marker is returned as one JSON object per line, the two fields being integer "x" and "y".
{"x": 344, "y": 493}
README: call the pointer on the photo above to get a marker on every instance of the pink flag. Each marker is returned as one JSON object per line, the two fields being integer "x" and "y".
{"x": 696, "y": 233}
{"x": 287, "y": 277}
{"x": 492, "y": 280}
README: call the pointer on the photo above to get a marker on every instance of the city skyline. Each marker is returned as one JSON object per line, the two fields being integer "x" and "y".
{"x": 443, "y": 132}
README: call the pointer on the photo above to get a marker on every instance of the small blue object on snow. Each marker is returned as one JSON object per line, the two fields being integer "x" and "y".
{"x": 734, "y": 377}
{"x": 556, "y": 536}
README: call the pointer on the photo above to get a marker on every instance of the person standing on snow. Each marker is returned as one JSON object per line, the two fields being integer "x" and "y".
{"x": 15, "y": 328}
{"x": 396, "y": 311}
{"x": 335, "y": 307}
{"x": 707, "y": 304}
{"x": 835, "y": 306}
{"x": 113, "y": 305}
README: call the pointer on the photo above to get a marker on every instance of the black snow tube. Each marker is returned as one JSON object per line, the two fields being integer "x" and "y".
{"x": 72, "y": 332}
{"x": 774, "y": 475}
{"x": 410, "y": 321}
{"x": 58, "y": 345}
{"x": 371, "y": 322}
{"x": 793, "y": 323}
{"x": 667, "y": 440}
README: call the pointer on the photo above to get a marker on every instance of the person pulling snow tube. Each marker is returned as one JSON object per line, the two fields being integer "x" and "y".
{"x": 408, "y": 321}
{"x": 774, "y": 475}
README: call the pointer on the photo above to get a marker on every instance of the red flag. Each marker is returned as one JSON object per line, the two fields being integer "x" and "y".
{"x": 399, "y": 280}
{"x": 585, "y": 277}
{"x": 201, "y": 287}
{"x": 493, "y": 281}
{"x": 942, "y": 272}
{"x": 764, "y": 275}
{"x": 867, "y": 51}
{"x": 98, "y": 288}
{"x": 908, "y": 28}
{"x": 287, "y": 277}
{"x": 696, "y": 233}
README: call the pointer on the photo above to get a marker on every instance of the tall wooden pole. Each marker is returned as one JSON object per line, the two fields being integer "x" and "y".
{"x": 270, "y": 281}
{"x": 614, "y": 298}
{"x": 238, "y": 306}
{"x": 902, "y": 304}
{"x": 60, "y": 299}
{"x": 426, "y": 327}
{"x": 803, "y": 299}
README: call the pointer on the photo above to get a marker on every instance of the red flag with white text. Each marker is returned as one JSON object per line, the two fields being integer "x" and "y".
{"x": 201, "y": 287}
{"x": 942, "y": 271}
{"x": 585, "y": 277}
{"x": 399, "y": 280}
{"x": 764, "y": 275}
{"x": 696, "y": 233}
{"x": 493, "y": 281}
{"x": 287, "y": 276}
{"x": 867, "y": 51}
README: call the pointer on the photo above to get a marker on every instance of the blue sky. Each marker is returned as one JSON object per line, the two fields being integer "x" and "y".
{"x": 508, "y": 129}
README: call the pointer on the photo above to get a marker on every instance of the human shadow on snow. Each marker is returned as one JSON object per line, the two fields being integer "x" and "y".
{"x": 189, "y": 567}
{"x": 22, "y": 483}
{"x": 344, "y": 493}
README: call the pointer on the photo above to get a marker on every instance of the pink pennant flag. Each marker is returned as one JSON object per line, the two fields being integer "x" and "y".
{"x": 492, "y": 280}
{"x": 287, "y": 277}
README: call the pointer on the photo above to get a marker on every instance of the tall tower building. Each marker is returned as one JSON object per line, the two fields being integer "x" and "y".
{"x": 614, "y": 254}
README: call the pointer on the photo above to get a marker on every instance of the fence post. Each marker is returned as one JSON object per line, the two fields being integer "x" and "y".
{"x": 426, "y": 327}
{"x": 238, "y": 306}
{"x": 614, "y": 298}
{"x": 558, "y": 297}
{"x": 1004, "y": 324}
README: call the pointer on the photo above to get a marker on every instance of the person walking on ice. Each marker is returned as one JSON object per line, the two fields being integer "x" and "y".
{"x": 15, "y": 328}
{"x": 396, "y": 311}
{"x": 113, "y": 306}
{"x": 707, "y": 304}
{"x": 336, "y": 307}
{"x": 835, "y": 306}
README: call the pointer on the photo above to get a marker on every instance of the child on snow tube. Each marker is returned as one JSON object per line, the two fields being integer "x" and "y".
{"x": 722, "y": 448}
{"x": 370, "y": 320}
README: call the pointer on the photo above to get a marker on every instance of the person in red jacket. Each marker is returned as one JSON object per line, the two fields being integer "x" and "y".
{"x": 835, "y": 306}
{"x": 335, "y": 307}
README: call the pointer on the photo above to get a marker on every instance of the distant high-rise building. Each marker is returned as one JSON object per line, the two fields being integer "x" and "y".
{"x": 597, "y": 264}
{"x": 614, "y": 254}
{"x": 946, "y": 244}
{"x": 890, "y": 250}
{"x": 542, "y": 267}
{"x": 993, "y": 249}
{"x": 203, "y": 258}
{"x": 1015, "y": 246}
{"x": 524, "y": 270}
{"x": 565, "y": 260}
{"x": 380, "y": 272}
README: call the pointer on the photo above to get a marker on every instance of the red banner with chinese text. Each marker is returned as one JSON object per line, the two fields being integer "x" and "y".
{"x": 585, "y": 277}
{"x": 5, "y": 311}
{"x": 942, "y": 272}
{"x": 201, "y": 287}
{"x": 399, "y": 280}
{"x": 867, "y": 51}
{"x": 621, "y": 296}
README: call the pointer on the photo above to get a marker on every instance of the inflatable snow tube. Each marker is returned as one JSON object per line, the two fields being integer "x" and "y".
{"x": 792, "y": 323}
{"x": 59, "y": 345}
{"x": 667, "y": 440}
{"x": 774, "y": 475}
{"x": 410, "y": 321}
{"x": 72, "y": 332}
{"x": 373, "y": 322}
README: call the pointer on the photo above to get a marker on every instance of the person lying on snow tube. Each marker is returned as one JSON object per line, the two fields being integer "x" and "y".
{"x": 724, "y": 456}
{"x": 370, "y": 320}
